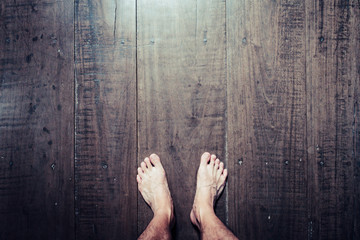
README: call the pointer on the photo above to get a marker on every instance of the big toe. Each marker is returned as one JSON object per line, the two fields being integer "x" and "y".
{"x": 155, "y": 160}
{"x": 205, "y": 158}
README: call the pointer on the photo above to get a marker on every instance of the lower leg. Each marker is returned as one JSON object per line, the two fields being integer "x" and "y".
{"x": 212, "y": 228}
{"x": 154, "y": 188}
{"x": 158, "y": 228}
{"x": 211, "y": 179}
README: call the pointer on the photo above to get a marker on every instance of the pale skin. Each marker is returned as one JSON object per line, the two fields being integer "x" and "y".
{"x": 153, "y": 186}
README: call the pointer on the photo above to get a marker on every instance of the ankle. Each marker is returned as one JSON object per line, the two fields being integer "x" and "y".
{"x": 166, "y": 214}
{"x": 206, "y": 218}
{"x": 203, "y": 213}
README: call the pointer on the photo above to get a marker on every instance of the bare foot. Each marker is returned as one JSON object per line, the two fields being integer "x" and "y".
{"x": 211, "y": 178}
{"x": 154, "y": 188}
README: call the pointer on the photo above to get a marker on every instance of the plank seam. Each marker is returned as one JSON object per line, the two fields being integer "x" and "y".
{"x": 309, "y": 228}
{"x": 136, "y": 111}
{"x": 75, "y": 108}
{"x": 226, "y": 120}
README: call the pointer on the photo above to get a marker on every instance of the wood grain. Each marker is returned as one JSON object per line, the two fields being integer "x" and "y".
{"x": 36, "y": 120}
{"x": 181, "y": 95}
{"x": 105, "y": 141}
{"x": 266, "y": 101}
{"x": 333, "y": 118}
{"x": 89, "y": 88}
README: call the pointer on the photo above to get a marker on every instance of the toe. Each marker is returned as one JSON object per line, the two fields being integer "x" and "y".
{"x": 224, "y": 175}
{"x": 138, "y": 178}
{"x": 221, "y": 168}
{"x": 219, "y": 171}
{"x": 155, "y": 160}
{"x": 143, "y": 166}
{"x": 212, "y": 160}
{"x": 148, "y": 163}
{"x": 216, "y": 166}
{"x": 221, "y": 165}
{"x": 140, "y": 172}
{"x": 222, "y": 181}
{"x": 205, "y": 158}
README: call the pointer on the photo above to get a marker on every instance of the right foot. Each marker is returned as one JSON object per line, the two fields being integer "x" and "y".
{"x": 153, "y": 186}
{"x": 211, "y": 178}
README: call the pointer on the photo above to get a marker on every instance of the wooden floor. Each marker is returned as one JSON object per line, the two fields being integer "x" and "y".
{"x": 91, "y": 87}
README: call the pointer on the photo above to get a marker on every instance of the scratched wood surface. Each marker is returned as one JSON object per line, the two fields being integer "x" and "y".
{"x": 90, "y": 88}
{"x": 105, "y": 131}
{"x": 181, "y": 95}
{"x": 267, "y": 119}
{"x": 36, "y": 120}
{"x": 333, "y": 118}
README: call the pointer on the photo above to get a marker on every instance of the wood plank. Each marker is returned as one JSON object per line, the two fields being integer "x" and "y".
{"x": 105, "y": 154}
{"x": 181, "y": 95}
{"x": 333, "y": 75}
{"x": 36, "y": 119}
{"x": 267, "y": 119}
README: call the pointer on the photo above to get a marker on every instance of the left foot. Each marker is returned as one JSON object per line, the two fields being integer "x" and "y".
{"x": 154, "y": 188}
